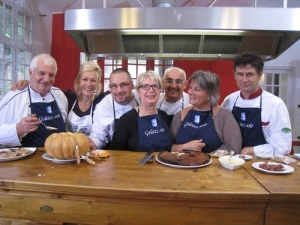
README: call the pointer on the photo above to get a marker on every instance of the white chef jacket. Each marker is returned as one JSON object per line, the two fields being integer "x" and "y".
{"x": 104, "y": 124}
{"x": 171, "y": 108}
{"x": 274, "y": 112}
{"x": 15, "y": 105}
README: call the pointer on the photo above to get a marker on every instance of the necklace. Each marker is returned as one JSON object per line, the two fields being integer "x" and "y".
{"x": 143, "y": 113}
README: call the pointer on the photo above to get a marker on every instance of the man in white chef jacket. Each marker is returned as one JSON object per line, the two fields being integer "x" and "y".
{"x": 22, "y": 111}
{"x": 263, "y": 117}
{"x": 174, "y": 99}
{"x": 111, "y": 108}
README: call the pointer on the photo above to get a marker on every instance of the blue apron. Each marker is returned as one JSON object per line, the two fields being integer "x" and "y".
{"x": 154, "y": 134}
{"x": 107, "y": 146}
{"x": 249, "y": 120}
{"x": 199, "y": 125}
{"x": 49, "y": 114}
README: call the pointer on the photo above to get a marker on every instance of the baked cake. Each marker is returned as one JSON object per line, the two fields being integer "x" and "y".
{"x": 191, "y": 158}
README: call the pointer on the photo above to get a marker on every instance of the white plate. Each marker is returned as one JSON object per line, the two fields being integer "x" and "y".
{"x": 297, "y": 155}
{"x": 179, "y": 166}
{"x": 16, "y": 157}
{"x": 263, "y": 156}
{"x": 287, "y": 169}
{"x": 247, "y": 157}
{"x": 48, "y": 157}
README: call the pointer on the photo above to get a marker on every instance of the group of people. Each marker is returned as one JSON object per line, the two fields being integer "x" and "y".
{"x": 141, "y": 118}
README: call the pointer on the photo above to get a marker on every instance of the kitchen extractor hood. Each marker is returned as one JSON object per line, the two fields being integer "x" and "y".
{"x": 187, "y": 33}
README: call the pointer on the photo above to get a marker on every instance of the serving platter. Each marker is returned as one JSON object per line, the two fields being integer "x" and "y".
{"x": 31, "y": 149}
{"x": 287, "y": 169}
{"x": 263, "y": 156}
{"x": 246, "y": 157}
{"x": 48, "y": 157}
{"x": 183, "y": 167}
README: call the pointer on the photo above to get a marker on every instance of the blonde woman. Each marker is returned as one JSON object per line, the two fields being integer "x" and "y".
{"x": 144, "y": 127}
{"x": 87, "y": 94}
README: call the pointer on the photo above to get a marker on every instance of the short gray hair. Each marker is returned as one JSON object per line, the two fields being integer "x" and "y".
{"x": 148, "y": 74}
{"x": 209, "y": 82}
{"x": 46, "y": 58}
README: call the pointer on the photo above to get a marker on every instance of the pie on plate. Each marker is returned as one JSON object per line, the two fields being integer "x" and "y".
{"x": 190, "y": 159}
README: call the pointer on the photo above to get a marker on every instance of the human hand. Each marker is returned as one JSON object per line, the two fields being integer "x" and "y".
{"x": 247, "y": 150}
{"x": 27, "y": 124}
{"x": 92, "y": 144}
{"x": 20, "y": 85}
{"x": 195, "y": 145}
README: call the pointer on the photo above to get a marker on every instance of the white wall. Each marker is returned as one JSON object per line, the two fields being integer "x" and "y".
{"x": 291, "y": 59}
{"x": 43, "y": 31}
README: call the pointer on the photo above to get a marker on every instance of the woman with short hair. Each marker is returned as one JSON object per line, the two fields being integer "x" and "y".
{"x": 205, "y": 126}
{"x": 145, "y": 127}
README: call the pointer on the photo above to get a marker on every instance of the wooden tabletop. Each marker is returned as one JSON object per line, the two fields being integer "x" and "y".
{"x": 284, "y": 203}
{"x": 118, "y": 191}
{"x": 120, "y": 175}
{"x": 281, "y": 186}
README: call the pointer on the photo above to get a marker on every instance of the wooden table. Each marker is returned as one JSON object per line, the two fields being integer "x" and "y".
{"x": 118, "y": 191}
{"x": 284, "y": 204}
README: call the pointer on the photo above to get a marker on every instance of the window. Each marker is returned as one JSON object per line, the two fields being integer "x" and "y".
{"x": 16, "y": 43}
{"x": 109, "y": 66}
{"x": 276, "y": 83}
{"x": 280, "y": 82}
{"x": 161, "y": 65}
{"x": 136, "y": 66}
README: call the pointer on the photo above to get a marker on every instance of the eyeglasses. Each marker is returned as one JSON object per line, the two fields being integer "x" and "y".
{"x": 148, "y": 86}
{"x": 122, "y": 85}
{"x": 177, "y": 81}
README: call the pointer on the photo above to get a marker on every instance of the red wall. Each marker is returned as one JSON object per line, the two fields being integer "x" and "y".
{"x": 222, "y": 68}
{"x": 66, "y": 53}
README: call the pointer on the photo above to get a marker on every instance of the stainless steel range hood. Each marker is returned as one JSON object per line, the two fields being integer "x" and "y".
{"x": 185, "y": 33}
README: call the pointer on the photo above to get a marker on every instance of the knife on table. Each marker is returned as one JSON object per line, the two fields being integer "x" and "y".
{"x": 146, "y": 158}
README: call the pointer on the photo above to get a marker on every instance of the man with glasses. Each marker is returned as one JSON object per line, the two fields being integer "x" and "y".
{"x": 174, "y": 99}
{"x": 111, "y": 108}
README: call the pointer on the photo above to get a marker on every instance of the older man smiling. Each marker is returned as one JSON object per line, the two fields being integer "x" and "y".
{"x": 23, "y": 111}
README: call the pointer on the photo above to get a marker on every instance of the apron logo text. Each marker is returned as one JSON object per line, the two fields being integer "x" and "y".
{"x": 149, "y": 132}
{"x": 247, "y": 125}
{"x": 42, "y": 119}
{"x": 187, "y": 124}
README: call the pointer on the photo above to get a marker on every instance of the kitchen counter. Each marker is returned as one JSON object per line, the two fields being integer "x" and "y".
{"x": 284, "y": 204}
{"x": 118, "y": 191}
